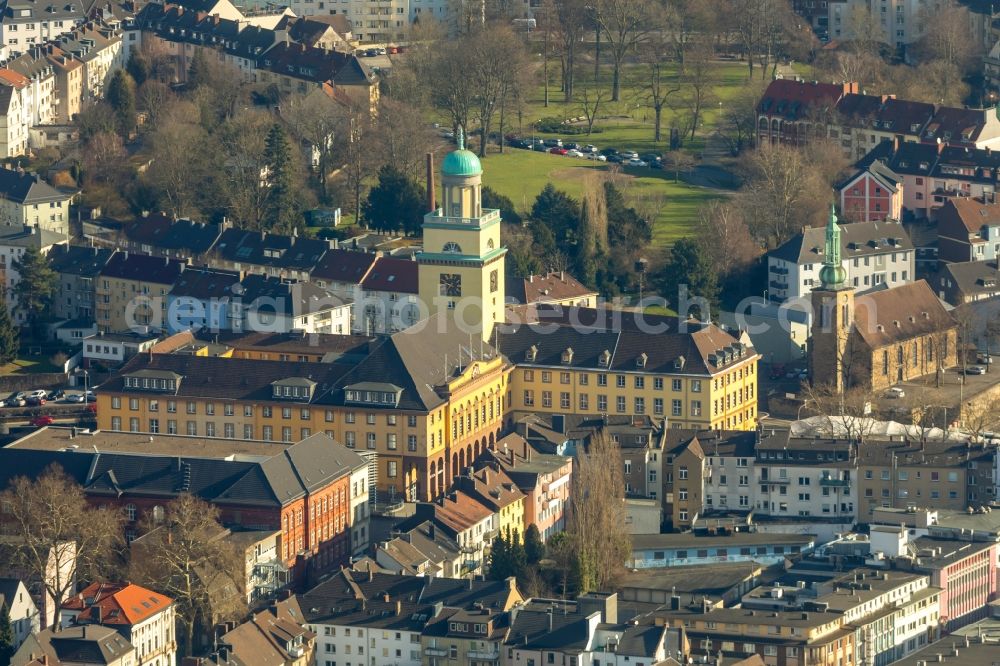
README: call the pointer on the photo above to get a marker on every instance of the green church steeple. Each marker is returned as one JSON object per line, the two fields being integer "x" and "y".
{"x": 832, "y": 275}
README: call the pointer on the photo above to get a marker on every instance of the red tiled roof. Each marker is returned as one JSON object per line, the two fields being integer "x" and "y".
{"x": 391, "y": 274}
{"x": 791, "y": 99}
{"x": 117, "y": 603}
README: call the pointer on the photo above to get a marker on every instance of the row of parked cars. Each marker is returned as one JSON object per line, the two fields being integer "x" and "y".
{"x": 39, "y": 397}
{"x": 588, "y": 151}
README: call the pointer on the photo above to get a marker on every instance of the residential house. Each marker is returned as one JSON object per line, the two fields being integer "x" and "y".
{"x": 422, "y": 550}
{"x": 28, "y": 23}
{"x": 325, "y": 32}
{"x": 113, "y": 349}
{"x": 375, "y": 615}
{"x": 874, "y": 255}
{"x": 544, "y": 479}
{"x": 15, "y": 240}
{"x": 902, "y": 24}
{"x": 59, "y": 574}
{"x": 21, "y": 609}
{"x": 13, "y": 129}
{"x": 464, "y": 519}
{"x": 77, "y": 267}
{"x": 872, "y": 194}
{"x": 297, "y": 69}
{"x": 591, "y": 362}
{"x": 389, "y": 297}
{"x": 144, "y": 618}
{"x": 303, "y": 489}
{"x": 789, "y": 110}
{"x": 26, "y": 199}
{"x": 459, "y": 636}
{"x": 69, "y": 75}
{"x": 639, "y": 440}
{"x": 556, "y": 288}
{"x": 86, "y": 645}
{"x": 262, "y": 303}
{"x": 41, "y": 100}
{"x": 161, "y": 235}
{"x": 99, "y": 47}
{"x": 274, "y": 636}
{"x": 265, "y": 573}
{"x": 730, "y": 470}
{"x": 969, "y": 229}
{"x": 861, "y": 122}
{"x": 490, "y": 486}
{"x": 200, "y": 300}
{"x": 968, "y": 282}
{"x": 131, "y": 289}
{"x": 286, "y": 257}
{"x": 410, "y": 383}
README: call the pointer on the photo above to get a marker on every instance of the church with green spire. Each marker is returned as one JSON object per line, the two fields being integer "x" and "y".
{"x": 833, "y": 315}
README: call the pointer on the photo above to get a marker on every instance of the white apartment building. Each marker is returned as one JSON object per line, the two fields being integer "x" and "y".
{"x": 873, "y": 254}
{"x": 25, "y": 23}
{"x": 13, "y": 128}
{"x": 805, "y": 478}
{"x": 360, "y": 505}
{"x": 730, "y": 475}
{"x": 15, "y": 239}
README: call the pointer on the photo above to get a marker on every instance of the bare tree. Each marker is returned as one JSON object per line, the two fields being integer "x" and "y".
{"x": 698, "y": 81}
{"x": 847, "y": 413}
{"x": 573, "y": 17}
{"x": 182, "y": 164}
{"x": 590, "y": 100}
{"x": 660, "y": 82}
{"x": 247, "y": 189}
{"x": 183, "y": 554}
{"x": 317, "y": 120}
{"x": 58, "y": 536}
{"x": 403, "y": 138}
{"x": 353, "y": 150}
{"x": 153, "y": 96}
{"x": 751, "y": 17}
{"x": 739, "y": 119}
{"x": 597, "y": 517}
{"x": 625, "y": 23}
{"x": 492, "y": 61}
{"x": 726, "y": 239}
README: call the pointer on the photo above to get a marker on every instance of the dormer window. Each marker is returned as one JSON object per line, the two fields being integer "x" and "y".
{"x": 604, "y": 360}
{"x": 373, "y": 393}
{"x": 152, "y": 380}
{"x": 294, "y": 388}
{"x": 531, "y": 354}
{"x": 640, "y": 362}
{"x": 679, "y": 363}
{"x": 567, "y": 356}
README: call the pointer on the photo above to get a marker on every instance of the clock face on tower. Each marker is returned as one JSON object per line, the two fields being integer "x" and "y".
{"x": 450, "y": 284}
{"x": 494, "y": 280}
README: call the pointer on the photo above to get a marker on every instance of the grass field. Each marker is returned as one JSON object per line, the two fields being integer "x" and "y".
{"x": 521, "y": 175}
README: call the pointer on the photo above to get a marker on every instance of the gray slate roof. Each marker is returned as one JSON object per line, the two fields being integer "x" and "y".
{"x": 858, "y": 239}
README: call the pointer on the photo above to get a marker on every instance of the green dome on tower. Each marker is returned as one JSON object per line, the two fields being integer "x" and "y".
{"x": 461, "y": 162}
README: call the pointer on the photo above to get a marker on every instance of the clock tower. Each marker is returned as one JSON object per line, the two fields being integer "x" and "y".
{"x": 461, "y": 267}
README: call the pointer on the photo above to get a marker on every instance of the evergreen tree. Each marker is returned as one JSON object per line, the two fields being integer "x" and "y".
{"x": 138, "y": 67}
{"x": 626, "y": 228}
{"x": 560, "y": 213}
{"x": 395, "y": 203}
{"x": 516, "y": 554}
{"x": 36, "y": 289}
{"x": 493, "y": 199}
{"x": 198, "y": 74}
{"x": 121, "y": 97}
{"x": 690, "y": 266}
{"x": 9, "y": 337}
{"x": 6, "y": 635}
{"x": 500, "y": 564}
{"x": 282, "y": 210}
{"x": 534, "y": 549}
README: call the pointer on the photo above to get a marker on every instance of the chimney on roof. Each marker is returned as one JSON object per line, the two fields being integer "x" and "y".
{"x": 895, "y": 144}
{"x": 940, "y": 146}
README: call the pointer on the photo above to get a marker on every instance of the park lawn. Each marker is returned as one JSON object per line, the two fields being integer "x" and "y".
{"x": 522, "y": 174}
{"x": 26, "y": 365}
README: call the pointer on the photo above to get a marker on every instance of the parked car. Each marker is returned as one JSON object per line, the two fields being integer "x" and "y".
{"x": 35, "y": 401}
{"x": 42, "y": 421}
{"x": 15, "y": 399}
{"x": 589, "y": 148}
{"x": 652, "y": 158}
{"x": 573, "y": 153}
{"x": 381, "y": 51}
{"x": 608, "y": 152}
{"x": 629, "y": 155}
{"x": 636, "y": 162}
{"x": 983, "y": 359}
{"x": 614, "y": 159}
{"x": 558, "y": 151}
{"x": 370, "y": 53}
{"x": 553, "y": 143}
{"x": 91, "y": 397}
{"x": 597, "y": 157}
{"x": 895, "y": 392}
{"x": 571, "y": 145}
{"x": 976, "y": 370}
{"x": 76, "y": 398}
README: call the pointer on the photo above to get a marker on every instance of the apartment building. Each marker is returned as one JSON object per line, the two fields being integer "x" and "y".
{"x": 26, "y": 23}
{"x": 968, "y": 282}
{"x": 145, "y": 618}
{"x": 303, "y": 489}
{"x": 490, "y": 486}
{"x": 791, "y": 110}
{"x": 945, "y": 475}
{"x": 389, "y": 301}
{"x": 872, "y": 194}
{"x": 87, "y": 645}
{"x": 27, "y": 200}
{"x": 545, "y": 480}
{"x": 593, "y": 362}
{"x": 13, "y": 129}
{"x": 806, "y": 477}
{"x": 873, "y": 254}
{"x": 131, "y": 289}
{"x": 862, "y": 122}
{"x": 969, "y": 229}
{"x": 467, "y": 522}
{"x": 553, "y": 288}
{"x": 40, "y": 99}
{"x": 77, "y": 268}
{"x": 423, "y": 401}
{"x": 276, "y": 632}
{"x": 15, "y": 240}
{"x": 422, "y": 550}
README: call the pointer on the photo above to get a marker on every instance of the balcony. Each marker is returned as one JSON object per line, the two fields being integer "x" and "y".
{"x": 483, "y": 656}
{"x": 776, "y": 481}
{"x": 436, "y": 652}
{"x": 778, "y": 270}
{"x": 773, "y": 284}
{"x": 830, "y": 482}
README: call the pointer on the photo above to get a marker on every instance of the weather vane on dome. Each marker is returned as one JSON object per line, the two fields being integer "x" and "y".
{"x": 461, "y": 138}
